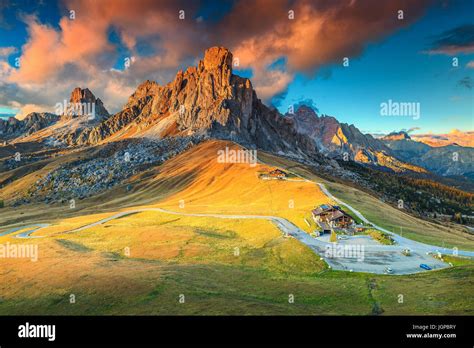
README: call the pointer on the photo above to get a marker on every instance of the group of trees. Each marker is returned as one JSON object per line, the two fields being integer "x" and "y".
{"x": 421, "y": 195}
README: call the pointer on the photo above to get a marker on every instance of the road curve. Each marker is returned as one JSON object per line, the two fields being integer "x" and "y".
{"x": 408, "y": 243}
{"x": 376, "y": 257}
{"x": 27, "y": 234}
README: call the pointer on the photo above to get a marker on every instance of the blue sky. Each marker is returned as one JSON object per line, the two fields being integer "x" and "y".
{"x": 396, "y": 67}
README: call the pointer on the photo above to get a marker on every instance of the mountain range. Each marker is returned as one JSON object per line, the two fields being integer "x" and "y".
{"x": 448, "y": 160}
{"x": 33, "y": 122}
{"x": 209, "y": 101}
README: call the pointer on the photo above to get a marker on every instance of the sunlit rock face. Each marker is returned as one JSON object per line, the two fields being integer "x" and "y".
{"x": 208, "y": 100}
{"x": 83, "y": 103}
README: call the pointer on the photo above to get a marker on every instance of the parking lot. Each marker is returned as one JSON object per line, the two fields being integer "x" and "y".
{"x": 376, "y": 257}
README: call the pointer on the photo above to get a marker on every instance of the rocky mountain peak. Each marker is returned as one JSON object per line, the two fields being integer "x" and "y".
{"x": 304, "y": 113}
{"x": 144, "y": 91}
{"x": 217, "y": 58}
{"x": 83, "y": 102}
{"x": 305, "y": 110}
{"x": 207, "y": 100}
{"x": 79, "y": 95}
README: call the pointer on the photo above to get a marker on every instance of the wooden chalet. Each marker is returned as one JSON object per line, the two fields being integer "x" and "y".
{"x": 331, "y": 216}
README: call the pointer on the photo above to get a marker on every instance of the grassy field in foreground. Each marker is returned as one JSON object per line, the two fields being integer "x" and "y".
{"x": 383, "y": 214}
{"x": 170, "y": 256}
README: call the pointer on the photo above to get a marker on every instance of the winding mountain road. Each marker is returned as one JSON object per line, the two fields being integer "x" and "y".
{"x": 354, "y": 256}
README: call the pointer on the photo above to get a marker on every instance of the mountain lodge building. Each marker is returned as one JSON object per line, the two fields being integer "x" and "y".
{"x": 331, "y": 216}
{"x": 277, "y": 173}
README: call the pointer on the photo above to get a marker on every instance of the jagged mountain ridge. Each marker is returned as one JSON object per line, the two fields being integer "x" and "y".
{"x": 449, "y": 160}
{"x": 211, "y": 101}
{"x": 343, "y": 141}
{"x": 333, "y": 136}
{"x": 205, "y": 100}
{"x": 32, "y": 123}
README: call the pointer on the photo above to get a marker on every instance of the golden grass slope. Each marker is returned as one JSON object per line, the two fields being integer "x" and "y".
{"x": 235, "y": 188}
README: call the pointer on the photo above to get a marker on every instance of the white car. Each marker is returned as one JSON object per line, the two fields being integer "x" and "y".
{"x": 388, "y": 270}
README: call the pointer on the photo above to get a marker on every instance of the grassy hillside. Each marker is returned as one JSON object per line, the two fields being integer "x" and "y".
{"x": 233, "y": 188}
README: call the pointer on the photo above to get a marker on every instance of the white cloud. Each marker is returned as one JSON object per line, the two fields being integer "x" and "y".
{"x": 7, "y": 51}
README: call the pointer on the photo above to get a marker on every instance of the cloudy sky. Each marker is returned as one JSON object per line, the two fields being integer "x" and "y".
{"x": 292, "y": 50}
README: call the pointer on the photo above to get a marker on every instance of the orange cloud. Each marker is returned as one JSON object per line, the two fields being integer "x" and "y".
{"x": 320, "y": 33}
{"x": 259, "y": 32}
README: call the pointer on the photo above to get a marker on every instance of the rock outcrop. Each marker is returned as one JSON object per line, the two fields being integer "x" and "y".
{"x": 331, "y": 136}
{"x": 83, "y": 103}
{"x": 396, "y": 136}
{"x": 346, "y": 142}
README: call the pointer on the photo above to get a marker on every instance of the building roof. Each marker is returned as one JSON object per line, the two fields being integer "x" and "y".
{"x": 336, "y": 214}
{"x": 335, "y": 211}
{"x": 322, "y": 209}
{"x": 277, "y": 171}
{"x": 349, "y": 215}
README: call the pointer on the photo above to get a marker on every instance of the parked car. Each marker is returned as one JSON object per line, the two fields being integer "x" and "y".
{"x": 406, "y": 252}
{"x": 388, "y": 270}
{"x": 425, "y": 266}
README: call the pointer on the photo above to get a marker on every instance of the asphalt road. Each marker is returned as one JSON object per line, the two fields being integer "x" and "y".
{"x": 350, "y": 254}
